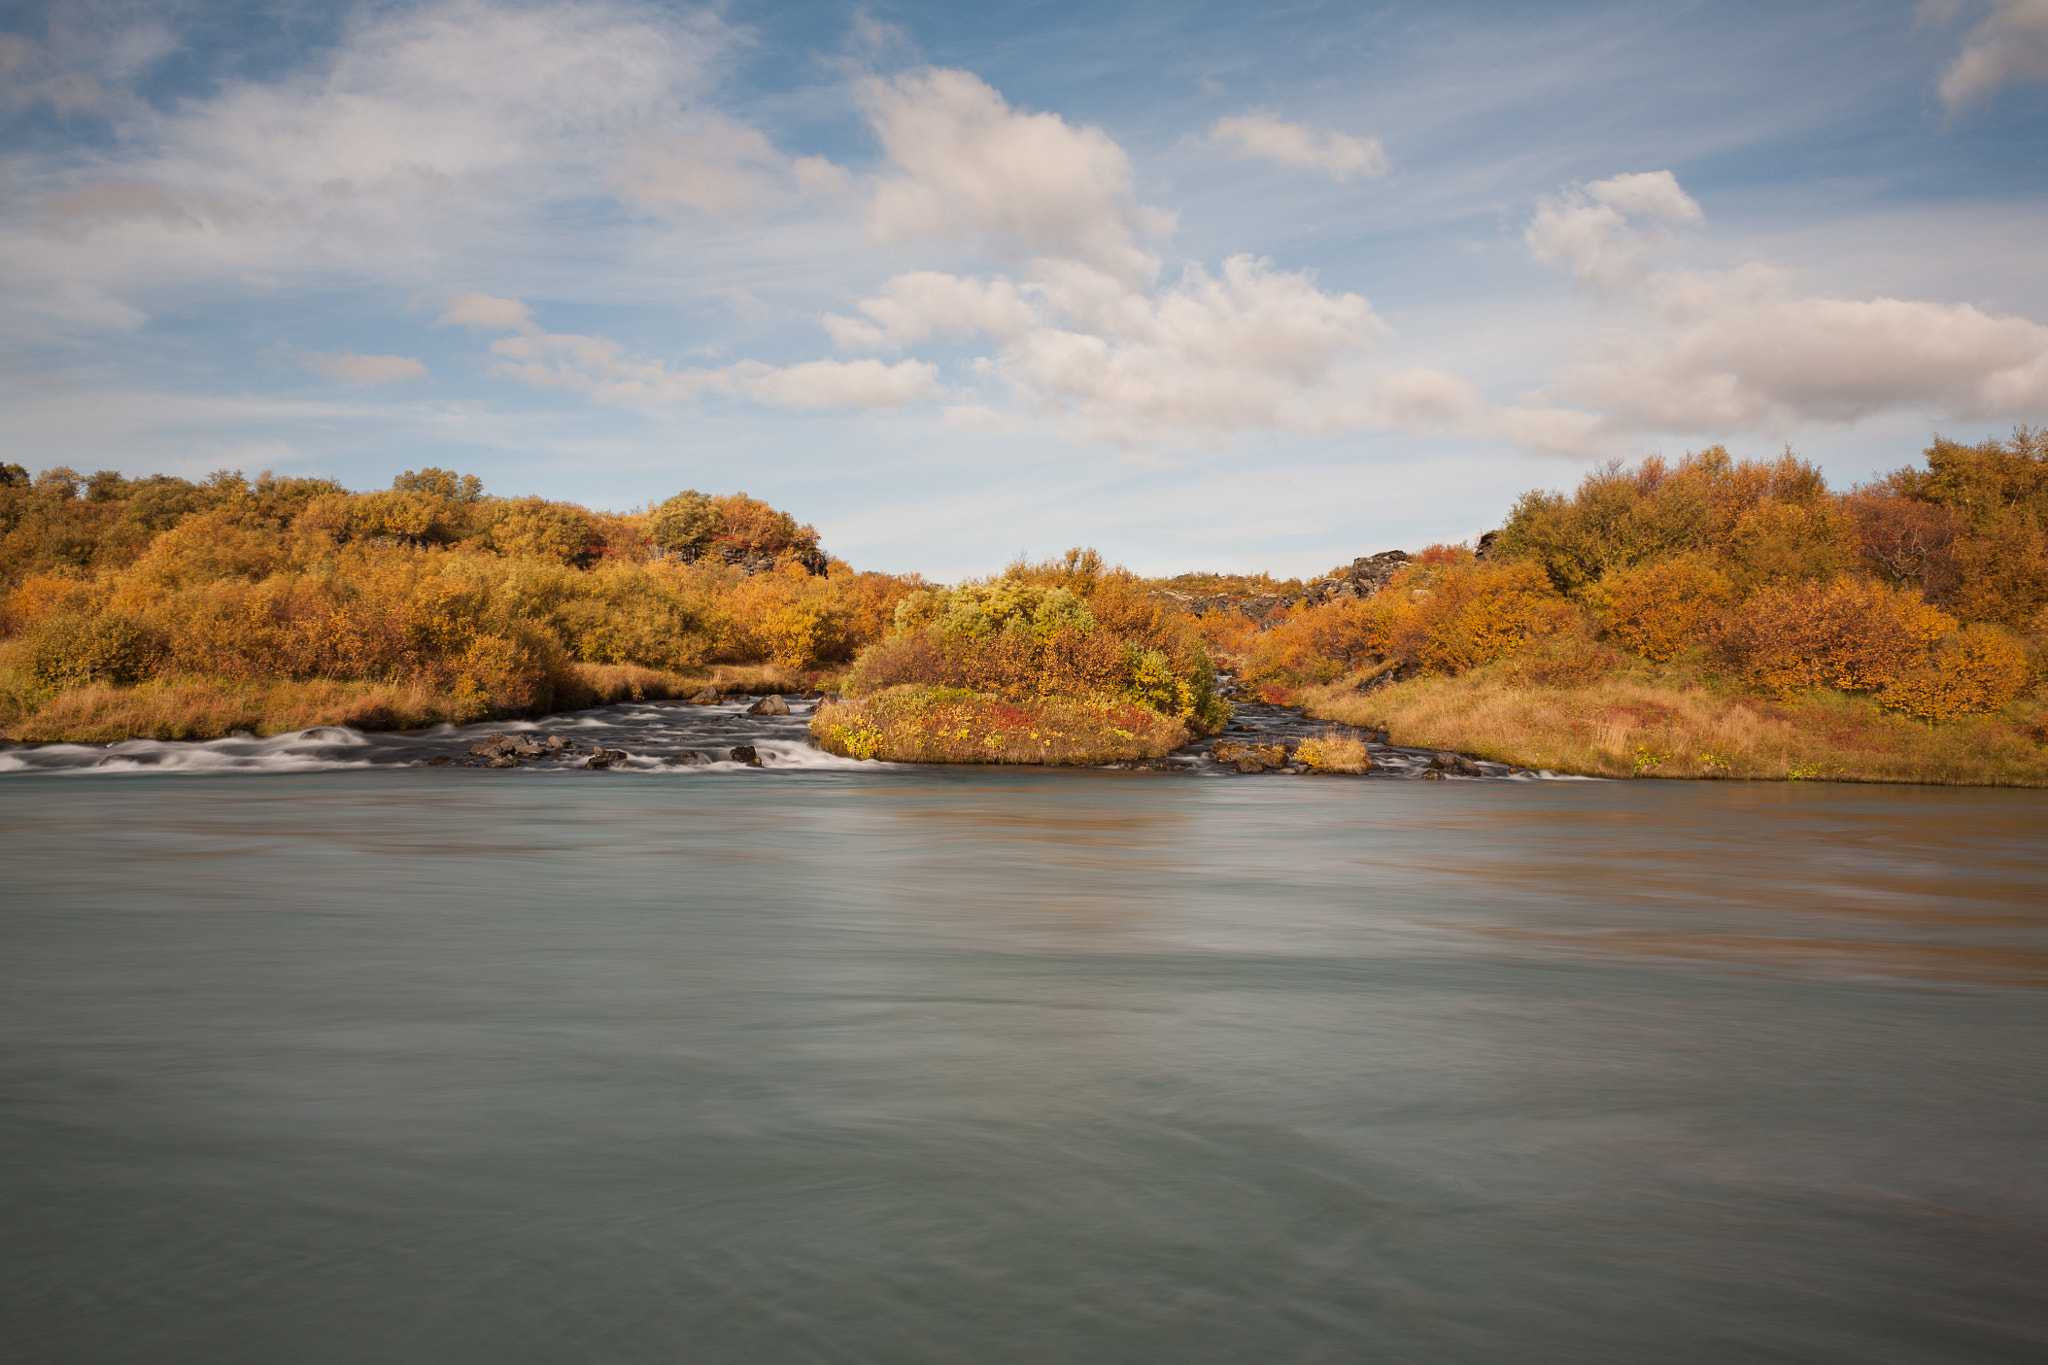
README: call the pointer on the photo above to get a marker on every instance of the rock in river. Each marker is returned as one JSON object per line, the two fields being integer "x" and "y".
{"x": 769, "y": 706}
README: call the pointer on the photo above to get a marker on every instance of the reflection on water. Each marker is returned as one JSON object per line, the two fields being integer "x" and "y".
{"x": 1019, "y": 1066}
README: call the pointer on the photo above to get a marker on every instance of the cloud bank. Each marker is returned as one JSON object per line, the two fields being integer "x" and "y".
{"x": 1720, "y": 352}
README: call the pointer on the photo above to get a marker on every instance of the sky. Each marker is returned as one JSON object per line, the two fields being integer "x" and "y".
{"x": 1206, "y": 286}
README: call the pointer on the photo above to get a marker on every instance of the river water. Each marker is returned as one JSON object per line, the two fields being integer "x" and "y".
{"x": 838, "y": 1062}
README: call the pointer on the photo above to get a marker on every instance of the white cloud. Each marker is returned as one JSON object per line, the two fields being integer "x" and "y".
{"x": 1714, "y": 352}
{"x": 600, "y": 368}
{"x": 1605, "y": 231}
{"x": 1250, "y": 346}
{"x": 364, "y": 369}
{"x": 1082, "y": 329}
{"x": 422, "y": 136}
{"x": 485, "y": 313}
{"x": 1324, "y": 151}
{"x": 1025, "y": 185}
{"x": 2010, "y": 44}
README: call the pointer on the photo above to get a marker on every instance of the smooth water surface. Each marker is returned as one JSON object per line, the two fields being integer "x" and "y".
{"x": 406, "y": 1065}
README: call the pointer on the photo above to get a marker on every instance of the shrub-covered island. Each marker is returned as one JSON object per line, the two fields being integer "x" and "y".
{"x": 1706, "y": 617}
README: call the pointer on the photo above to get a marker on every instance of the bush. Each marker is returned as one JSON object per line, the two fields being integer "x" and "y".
{"x": 1659, "y": 610}
{"x": 1855, "y": 634}
{"x": 73, "y": 650}
{"x": 922, "y": 724}
{"x": 1978, "y": 669}
{"x": 685, "y": 523}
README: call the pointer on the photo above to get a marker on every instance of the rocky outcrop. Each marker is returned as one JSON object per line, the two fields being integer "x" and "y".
{"x": 1256, "y": 608}
{"x": 747, "y": 560}
{"x": 1366, "y": 576}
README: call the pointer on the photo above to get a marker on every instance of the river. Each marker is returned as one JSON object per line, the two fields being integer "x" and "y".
{"x": 836, "y": 1062}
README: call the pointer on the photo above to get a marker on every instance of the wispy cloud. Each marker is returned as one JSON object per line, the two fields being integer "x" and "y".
{"x": 374, "y": 370}
{"x": 1264, "y": 136}
{"x": 2009, "y": 44}
{"x": 602, "y": 368}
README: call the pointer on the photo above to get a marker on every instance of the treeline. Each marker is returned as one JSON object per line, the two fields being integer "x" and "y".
{"x": 1927, "y": 590}
{"x": 487, "y": 603}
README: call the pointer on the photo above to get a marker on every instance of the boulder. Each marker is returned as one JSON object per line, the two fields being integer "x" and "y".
{"x": 604, "y": 758}
{"x": 525, "y": 748}
{"x": 708, "y": 697}
{"x": 744, "y": 753}
{"x": 437, "y": 760}
{"x": 1229, "y": 751}
{"x": 1455, "y": 763}
{"x": 769, "y": 706}
{"x": 555, "y": 744}
{"x": 503, "y": 761}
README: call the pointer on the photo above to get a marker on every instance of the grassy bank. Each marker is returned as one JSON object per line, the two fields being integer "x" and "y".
{"x": 1670, "y": 724}
{"x": 188, "y": 707}
{"x": 921, "y": 724}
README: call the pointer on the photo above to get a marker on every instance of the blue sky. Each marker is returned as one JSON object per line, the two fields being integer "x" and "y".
{"x": 1211, "y": 286}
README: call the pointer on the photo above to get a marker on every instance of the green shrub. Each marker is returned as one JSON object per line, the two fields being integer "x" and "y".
{"x": 72, "y": 650}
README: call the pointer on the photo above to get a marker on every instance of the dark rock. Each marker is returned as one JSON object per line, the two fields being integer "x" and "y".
{"x": 769, "y": 706}
{"x": 1250, "y": 765}
{"x": 503, "y": 761}
{"x": 525, "y": 748}
{"x": 1455, "y": 763}
{"x": 744, "y": 753}
{"x": 604, "y": 758}
{"x": 1484, "y": 550}
{"x": 1434, "y": 776}
{"x": 437, "y": 760}
{"x": 1366, "y": 576}
{"x": 708, "y": 697}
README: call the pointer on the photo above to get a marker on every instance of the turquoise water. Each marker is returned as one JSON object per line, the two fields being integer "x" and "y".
{"x": 851, "y": 1065}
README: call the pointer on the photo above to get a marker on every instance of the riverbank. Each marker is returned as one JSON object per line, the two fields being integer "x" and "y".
{"x": 202, "y": 708}
{"x": 1672, "y": 723}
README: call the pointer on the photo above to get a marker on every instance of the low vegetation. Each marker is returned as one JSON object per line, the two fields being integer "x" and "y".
{"x": 1704, "y": 617}
{"x": 915, "y": 723}
{"x": 1065, "y": 661}
{"x": 183, "y": 610}
{"x": 1712, "y": 618}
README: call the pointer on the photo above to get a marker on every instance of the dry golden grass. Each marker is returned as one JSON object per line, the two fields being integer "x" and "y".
{"x": 1336, "y": 753}
{"x": 207, "y": 708}
{"x": 1672, "y": 725}
{"x": 914, "y": 724}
